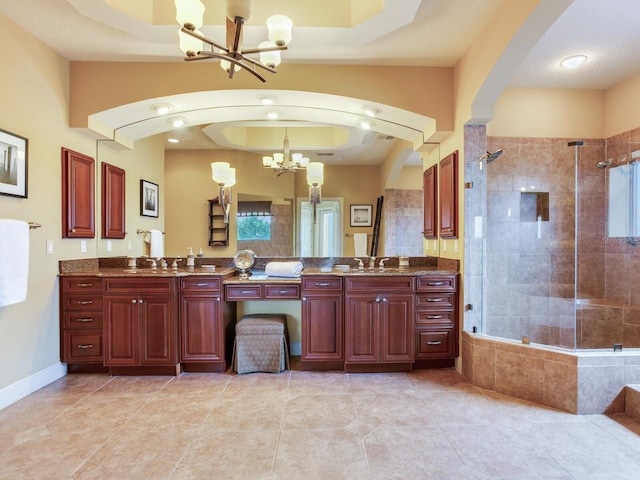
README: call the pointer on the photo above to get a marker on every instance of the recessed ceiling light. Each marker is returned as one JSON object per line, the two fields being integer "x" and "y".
{"x": 162, "y": 108}
{"x": 366, "y": 123}
{"x": 267, "y": 100}
{"x": 272, "y": 115}
{"x": 573, "y": 62}
{"x": 177, "y": 122}
{"x": 371, "y": 111}
{"x": 173, "y": 140}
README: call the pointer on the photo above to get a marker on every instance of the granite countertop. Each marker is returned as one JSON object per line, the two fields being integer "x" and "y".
{"x": 231, "y": 277}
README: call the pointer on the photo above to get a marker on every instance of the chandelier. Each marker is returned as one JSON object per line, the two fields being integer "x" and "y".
{"x": 190, "y": 13}
{"x": 285, "y": 161}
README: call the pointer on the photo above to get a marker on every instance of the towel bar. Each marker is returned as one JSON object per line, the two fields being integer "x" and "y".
{"x": 351, "y": 234}
{"x": 33, "y": 225}
{"x": 139, "y": 231}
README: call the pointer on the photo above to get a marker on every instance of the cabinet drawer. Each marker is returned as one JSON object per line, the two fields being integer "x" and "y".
{"x": 322, "y": 283}
{"x": 435, "y": 343}
{"x": 441, "y": 317}
{"x": 82, "y": 302}
{"x": 139, "y": 285}
{"x": 435, "y": 300}
{"x": 83, "y": 346}
{"x": 243, "y": 292}
{"x": 379, "y": 284}
{"x": 434, "y": 283}
{"x": 83, "y": 320}
{"x": 81, "y": 284}
{"x": 281, "y": 292}
{"x": 200, "y": 284}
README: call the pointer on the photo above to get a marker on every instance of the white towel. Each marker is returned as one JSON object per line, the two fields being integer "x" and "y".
{"x": 156, "y": 243}
{"x": 360, "y": 244}
{"x": 14, "y": 261}
{"x": 283, "y": 269}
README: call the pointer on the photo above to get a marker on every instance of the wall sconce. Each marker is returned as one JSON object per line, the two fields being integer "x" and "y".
{"x": 225, "y": 177}
{"x": 315, "y": 179}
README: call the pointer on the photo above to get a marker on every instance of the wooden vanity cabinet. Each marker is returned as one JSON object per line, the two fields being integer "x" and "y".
{"x": 322, "y": 323}
{"x": 206, "y": 325}
{"x": 140, "y": 325}
{"x": 81, "y": 323}
{"x": 436, "y": 321}
{"x": 379, "y": 324}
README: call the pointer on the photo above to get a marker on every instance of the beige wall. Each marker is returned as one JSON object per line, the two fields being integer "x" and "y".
{"x": 622, "y": 107}
{"x": 34, "y": 105}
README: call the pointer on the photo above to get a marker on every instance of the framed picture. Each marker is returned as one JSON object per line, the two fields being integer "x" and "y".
{"x": 13, "y": 164}
{"x": 148, "y": 199}
{"x": 361, "y": 215}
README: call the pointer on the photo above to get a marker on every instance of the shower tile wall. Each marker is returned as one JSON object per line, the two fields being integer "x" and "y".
{"x": 530, "y": 277}
{"x": 403, "y": 222}
{"x": 529, "y": 264}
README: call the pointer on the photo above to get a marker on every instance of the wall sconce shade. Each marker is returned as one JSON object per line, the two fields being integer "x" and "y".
{"x": 315, "y": 174}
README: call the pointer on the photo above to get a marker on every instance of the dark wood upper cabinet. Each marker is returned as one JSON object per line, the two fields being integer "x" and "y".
{"x": 449, "y": 196}
{"x": 430, "y": 187}
{"x": 78, "y": 195}
{"x": 113, "y": 201}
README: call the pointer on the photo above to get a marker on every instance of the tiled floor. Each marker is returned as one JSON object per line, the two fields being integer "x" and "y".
{"x": 427, "y": 424}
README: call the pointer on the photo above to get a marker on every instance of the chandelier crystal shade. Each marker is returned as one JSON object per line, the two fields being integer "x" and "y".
{"x": 233, "y": 57}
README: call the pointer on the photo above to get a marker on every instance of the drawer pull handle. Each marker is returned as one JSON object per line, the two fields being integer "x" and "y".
{"x": 435, "y": 284}
{"x": 433, "y": 300}
{"x": 85, "y": 346}
{"x": 85, "y": 320}
{"x": 246, "y": 292}
{"x": 200, "y": 284}
{"x": 323, "y": 284}
{"x": 283, "y": 292}
{"x": 433, "y": 317}
{"x": 434, "y": 342}
{"x": 85, "y": 302}
{"x": 85, "y": 284}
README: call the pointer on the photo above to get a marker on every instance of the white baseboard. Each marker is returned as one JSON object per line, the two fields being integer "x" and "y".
{"x": 295, "y": 348}
{"x": 30, "y": 384}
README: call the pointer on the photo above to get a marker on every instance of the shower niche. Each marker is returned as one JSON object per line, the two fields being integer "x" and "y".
{"x": 534, "y": 206}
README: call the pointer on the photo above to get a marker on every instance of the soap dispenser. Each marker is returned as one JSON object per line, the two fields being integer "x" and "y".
{"x": 190, "y": 258}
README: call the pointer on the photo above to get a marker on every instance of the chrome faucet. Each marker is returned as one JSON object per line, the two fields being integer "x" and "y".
{"x": 360, "y": 263}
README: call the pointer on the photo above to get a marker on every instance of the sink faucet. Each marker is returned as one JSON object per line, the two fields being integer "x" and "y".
{"x": 175, "y": 262}
{"x": 162, "y": 262}
{"x": 360, "y": 263}
{"x": 381, "y": 263}
{"x": 153, "y": 262}
{"x": 372, "y": 262}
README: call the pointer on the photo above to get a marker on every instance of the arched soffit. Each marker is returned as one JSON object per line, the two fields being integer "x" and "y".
{"x": 127, "y": 123}
{"x": 526, "y": 37}
{"x": 404, "y": 157}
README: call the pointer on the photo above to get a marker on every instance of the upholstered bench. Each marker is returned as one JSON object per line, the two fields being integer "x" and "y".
{"x": 261, "y": 344}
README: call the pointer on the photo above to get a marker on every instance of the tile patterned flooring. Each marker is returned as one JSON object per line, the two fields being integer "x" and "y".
{"x": 426, "y": 424}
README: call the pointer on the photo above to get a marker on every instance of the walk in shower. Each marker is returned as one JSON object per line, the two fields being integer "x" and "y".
{"x": 561, "y": 245}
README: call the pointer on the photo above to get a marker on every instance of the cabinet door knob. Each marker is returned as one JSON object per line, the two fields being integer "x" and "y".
{"x": 141, "y": 301}
{"x": 304, "y": 299}
{"x": 378, "y": 299}
{"x": 134, "y": 301}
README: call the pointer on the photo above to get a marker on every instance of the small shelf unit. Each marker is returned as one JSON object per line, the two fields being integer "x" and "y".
{"x": 218, "y": 229}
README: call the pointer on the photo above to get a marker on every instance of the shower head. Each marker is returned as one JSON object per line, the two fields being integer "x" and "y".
{"x": 609, "y": 163}
{"x": 490, "y": 157}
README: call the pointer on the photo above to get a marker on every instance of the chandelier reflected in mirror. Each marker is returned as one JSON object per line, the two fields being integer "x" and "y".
{"x": 233, "y": 57}
{"x": 285, "y": 161}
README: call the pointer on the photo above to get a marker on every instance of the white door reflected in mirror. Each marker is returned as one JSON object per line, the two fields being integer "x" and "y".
{"x": 324, "y": 237}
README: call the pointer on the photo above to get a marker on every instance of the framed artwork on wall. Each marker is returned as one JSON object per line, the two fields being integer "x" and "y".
{"x": 449, "y": 196}
{"x": 13, "y": 164}
{"x": 149, "y": 199}
{"x": 361, "y": 215}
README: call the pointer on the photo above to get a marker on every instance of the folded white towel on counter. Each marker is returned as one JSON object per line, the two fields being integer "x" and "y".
{"x": 284, "y": 269}
{"x": 14, "y": 261}
{"x": 156, "y": 243}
